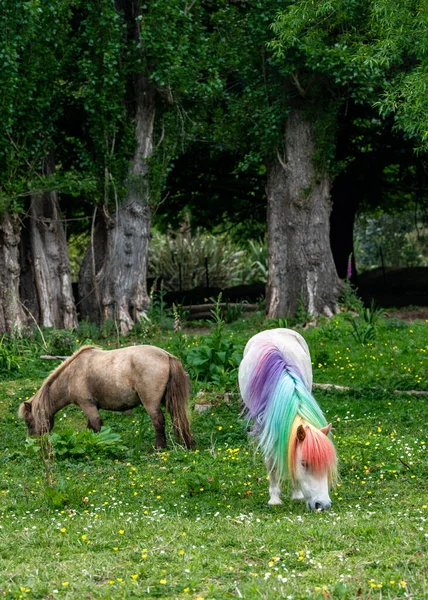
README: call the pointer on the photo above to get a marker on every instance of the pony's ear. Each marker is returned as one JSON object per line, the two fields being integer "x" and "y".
{"x": 24, "y": 409}
{"x": 301, "y": 434}
{"x": 326, "y": 429}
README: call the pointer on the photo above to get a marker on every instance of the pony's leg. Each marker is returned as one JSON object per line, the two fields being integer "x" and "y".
{"x": 94, "y": 420}
{"x": 158, "y": 421}
{"x": 274, "y": 487}
{"x": 297, "y": 494}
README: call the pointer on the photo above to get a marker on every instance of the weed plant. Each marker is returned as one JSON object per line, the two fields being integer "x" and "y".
{"x": 364, "y": 324}
{"x": 180, "y": 524}
{"x": 216, "y": 359}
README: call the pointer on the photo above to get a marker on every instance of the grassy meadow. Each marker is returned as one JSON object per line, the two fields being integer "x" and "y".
{"x": 83, "y": 517}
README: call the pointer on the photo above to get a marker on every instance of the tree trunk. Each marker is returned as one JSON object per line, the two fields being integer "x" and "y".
{"x": 45, "y": 268}
{"x": 302, "y": 274}
{"x": 112, "y": 279}
{"x": 12, "y": 316}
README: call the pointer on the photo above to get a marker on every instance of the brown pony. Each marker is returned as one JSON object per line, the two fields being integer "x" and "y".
{"x": 114, "y": 380}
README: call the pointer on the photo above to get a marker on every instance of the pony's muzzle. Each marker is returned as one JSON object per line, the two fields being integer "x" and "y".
{"x": 320, "y": 506}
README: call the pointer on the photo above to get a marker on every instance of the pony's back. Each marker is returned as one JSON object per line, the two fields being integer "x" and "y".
{"x": 291, "y": 346}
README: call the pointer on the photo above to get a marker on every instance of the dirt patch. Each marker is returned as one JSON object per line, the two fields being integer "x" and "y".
{"x": 409, "y": 315}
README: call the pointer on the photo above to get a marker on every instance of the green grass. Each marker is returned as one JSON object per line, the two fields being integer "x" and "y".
{"x": 183, "y": 524}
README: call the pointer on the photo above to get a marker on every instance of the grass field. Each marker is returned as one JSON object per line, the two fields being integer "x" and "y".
{"x": 122, "y": 521}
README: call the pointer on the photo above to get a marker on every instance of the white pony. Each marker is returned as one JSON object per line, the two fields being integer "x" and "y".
{"x": 275, "y": 380}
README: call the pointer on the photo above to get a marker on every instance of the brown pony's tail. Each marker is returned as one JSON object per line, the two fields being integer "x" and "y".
{"x": 176, "y": 396}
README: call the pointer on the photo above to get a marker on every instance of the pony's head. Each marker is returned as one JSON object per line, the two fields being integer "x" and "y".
{"x": 37, "y": 421}
{"x": 312, "y": 464}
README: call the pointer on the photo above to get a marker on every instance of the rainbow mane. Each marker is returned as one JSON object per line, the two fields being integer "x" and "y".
{"x": 277, "y": 401}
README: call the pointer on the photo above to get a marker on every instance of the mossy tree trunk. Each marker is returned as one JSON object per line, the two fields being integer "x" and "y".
{"x": 302, "y": 274}
{"x": 45, "y": 285}
{"x": 12, "y": 315}
{"x": 112, "y": 279}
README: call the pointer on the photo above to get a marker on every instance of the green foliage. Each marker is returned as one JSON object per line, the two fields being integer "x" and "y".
{"x": 231, "y": 312}
{"x": 108, "y": 328}
{"x": 257, "y": 255}
{"x": 9, "y": 357}
{"x": 87, "y": 331}
{"x": 81, "y": 444}
{"x": 61, "y": 342}
{"x": 159, "y": 315}
{"x": 364, "y": 326}
{"x": 102, "y": 57}
{"x": 302, "y": 315}
{"x": 184, "y": 258}
{"x": 77, "y": 244}
{"x": 17, "y": 351}
{"x": 371, "y": 50}
{"x": 349, "y": 299}
{"x": 274, "y": 323}
{"x": 401, "y": 238}
{"x": 216, "y": 358}
{"x": 33, "y": 43}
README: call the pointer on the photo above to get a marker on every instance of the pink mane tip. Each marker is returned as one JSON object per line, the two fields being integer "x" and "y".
{"x": 317, "y": 451}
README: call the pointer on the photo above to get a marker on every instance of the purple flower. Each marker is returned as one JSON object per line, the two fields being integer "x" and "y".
{"x": 349, "y": 269}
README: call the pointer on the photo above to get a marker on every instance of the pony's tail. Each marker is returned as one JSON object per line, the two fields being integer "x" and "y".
{"x": 176, "y": 399}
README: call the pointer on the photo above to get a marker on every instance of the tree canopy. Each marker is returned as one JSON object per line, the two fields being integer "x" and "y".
{"x": 223, "y": 82}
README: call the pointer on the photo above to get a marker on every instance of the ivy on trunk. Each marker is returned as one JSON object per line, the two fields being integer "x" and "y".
{"x": 112, "y": 279}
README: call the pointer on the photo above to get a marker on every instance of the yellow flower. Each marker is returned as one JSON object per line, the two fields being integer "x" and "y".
{"x": 402, "y": 583}
{"x": 186, "y": 590}
{"x": 65, "y": 583}
{"x": 181, "y": 552}
{"x": 63, "y": 529}
{"x": 83, "y": 537}
{"x": 162, "y": 581}
{"x": 121, "y": 531}
{"x": 134, "y": 576}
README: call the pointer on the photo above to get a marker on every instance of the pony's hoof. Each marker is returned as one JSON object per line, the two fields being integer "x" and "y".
{"x": 275, "y": 502}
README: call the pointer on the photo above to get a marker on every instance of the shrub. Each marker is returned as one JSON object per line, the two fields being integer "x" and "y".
{"x": 216, "y": 357}
{"x": 186, "y": 260}
{"x": 61, "y": 342}
{"x": 82, "y": 444}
